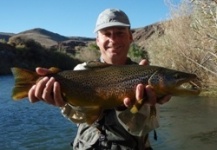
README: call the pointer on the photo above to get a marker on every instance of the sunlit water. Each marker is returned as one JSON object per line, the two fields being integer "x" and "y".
{"x": 185, "y": 124}
{"x": 26, "y": 126}
{"x": 188, "y": 124}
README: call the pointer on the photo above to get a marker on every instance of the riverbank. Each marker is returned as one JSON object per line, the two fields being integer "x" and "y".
{"x": 209, "y": 93}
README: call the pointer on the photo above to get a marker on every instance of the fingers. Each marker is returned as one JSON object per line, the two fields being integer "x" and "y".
{"x": 47, "y": 90}
{"x": 139, "y": 92}
{"x": 139, "y": 96}
{"x": 146, "y": 94}
{"x": 52, "y": 93}
{"x": 35, "y": 93}
{"x": 127, "y": 102}
{"x": 31, "y": 95}
{"x": 39, "y": 89}
{"x": 57, "y": 95}
{"x": 42, "y": 71}
{"x": 151, "y": 95}
{"x": 144, "y": 62}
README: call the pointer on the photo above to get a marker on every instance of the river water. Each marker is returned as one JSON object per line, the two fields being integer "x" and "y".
{"x": 185, "y": 124}
{"x": 188, "y": 124}
{"x": 27, "y": 126}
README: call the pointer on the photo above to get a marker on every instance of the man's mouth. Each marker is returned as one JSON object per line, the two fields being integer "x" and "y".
{"x": 114, "y": 49}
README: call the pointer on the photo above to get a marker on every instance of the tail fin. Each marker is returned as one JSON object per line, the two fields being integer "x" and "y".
{"x": 24, "y": 80}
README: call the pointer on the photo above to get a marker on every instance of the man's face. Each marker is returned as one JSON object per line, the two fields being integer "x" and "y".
{"x": 114, "y": 43}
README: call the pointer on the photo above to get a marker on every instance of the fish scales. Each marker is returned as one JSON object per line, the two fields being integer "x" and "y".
{"x": 101, "y": 85}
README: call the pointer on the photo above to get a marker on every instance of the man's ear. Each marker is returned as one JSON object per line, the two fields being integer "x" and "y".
{"x": 97, "y": 41}
{"x": 131, "y": 36}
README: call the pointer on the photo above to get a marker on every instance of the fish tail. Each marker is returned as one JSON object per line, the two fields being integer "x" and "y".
{"x": 24, "y": 80}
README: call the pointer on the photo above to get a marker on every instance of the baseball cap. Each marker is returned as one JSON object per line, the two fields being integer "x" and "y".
{"x": 111, "y": 17}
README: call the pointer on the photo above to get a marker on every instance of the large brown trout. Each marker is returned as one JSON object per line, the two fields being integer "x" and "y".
{"x": 104, "y": 86}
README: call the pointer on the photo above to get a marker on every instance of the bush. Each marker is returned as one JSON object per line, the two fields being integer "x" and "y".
{"x": 89, "y": 53}
{"x": 31, "y": 54}
{"x": 136, "y": 53}
{"x": 189, "y": 42}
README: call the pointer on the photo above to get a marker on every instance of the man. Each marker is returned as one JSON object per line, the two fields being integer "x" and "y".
{"x": 113, "y": 39}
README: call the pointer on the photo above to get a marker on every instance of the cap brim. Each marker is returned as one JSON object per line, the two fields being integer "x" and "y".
{"x": 110, "y": 24}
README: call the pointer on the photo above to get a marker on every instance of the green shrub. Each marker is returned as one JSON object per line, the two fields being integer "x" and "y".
{"x": 136, "y": 53}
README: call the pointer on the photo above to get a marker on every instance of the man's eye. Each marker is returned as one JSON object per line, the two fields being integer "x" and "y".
{"x": 107, "y": 34}
{"x": 120, "y": 33}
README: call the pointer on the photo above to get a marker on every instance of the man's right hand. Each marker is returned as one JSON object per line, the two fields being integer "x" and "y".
{"x": 47, "y": 90}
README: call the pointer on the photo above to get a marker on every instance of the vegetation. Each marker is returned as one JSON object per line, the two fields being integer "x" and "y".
{"x": 3, "y": 41}
{"x": 30, "y": 54}
{"x": 137, "y": 53}
{"x": 91, "y": 52}
{"x": 189, "y": 42}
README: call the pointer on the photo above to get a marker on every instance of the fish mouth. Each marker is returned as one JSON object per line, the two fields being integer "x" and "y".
{"x": 189, "y": 87}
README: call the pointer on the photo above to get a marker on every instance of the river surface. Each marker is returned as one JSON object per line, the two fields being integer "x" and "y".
{"x": 27, "y": 126}
{"x": 185, "y": 124}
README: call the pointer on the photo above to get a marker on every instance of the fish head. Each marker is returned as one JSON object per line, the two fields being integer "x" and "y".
{"x": 176, "y": 83}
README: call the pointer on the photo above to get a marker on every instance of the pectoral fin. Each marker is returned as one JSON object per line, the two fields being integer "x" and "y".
{"x": 84, "y": 114}
{"x": 54, "y": 70}
{"x": 93, "y": 115}
{"x": 138, "y": 104}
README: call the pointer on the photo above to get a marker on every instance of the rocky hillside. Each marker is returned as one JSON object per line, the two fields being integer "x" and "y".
{"x": 5, "y": 36}
{"x": 42, "y": 36}
{"x": 49, "y": 39}
{"x": 30, "y": 48}
{"x": 141, "y": 35}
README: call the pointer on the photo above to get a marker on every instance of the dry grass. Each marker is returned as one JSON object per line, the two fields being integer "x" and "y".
{"x": 87, "y": 53}
{"x": 190, "y": 40}
{"x": 42, "y": 39}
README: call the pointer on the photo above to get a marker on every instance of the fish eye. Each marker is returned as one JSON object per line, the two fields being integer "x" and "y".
{"x": 176, "y": 76}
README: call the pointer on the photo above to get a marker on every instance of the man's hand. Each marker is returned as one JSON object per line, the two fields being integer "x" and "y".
{"x": 47, "y": 90}
{"x": 151, "y": 95}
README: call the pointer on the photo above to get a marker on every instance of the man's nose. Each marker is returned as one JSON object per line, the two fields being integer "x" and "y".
{"x": 113, "y": 37}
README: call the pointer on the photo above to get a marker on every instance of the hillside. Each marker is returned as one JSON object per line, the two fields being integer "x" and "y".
{"x": 47, "y": 38}
{"x": 44, "y": 37}
{"x": 141, "y": 35}
{"x": 5, "y": 36}
{"x": 20, "y": 50}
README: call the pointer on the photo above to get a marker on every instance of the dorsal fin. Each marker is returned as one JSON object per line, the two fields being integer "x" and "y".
{"x": 96, "y": 64}
{"x": 54, "y": 70}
